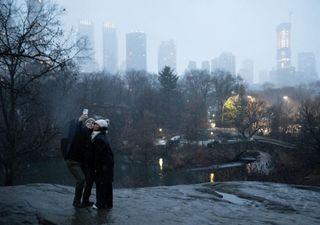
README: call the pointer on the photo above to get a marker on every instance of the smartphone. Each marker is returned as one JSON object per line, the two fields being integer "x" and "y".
{"x": 85, "y": 111}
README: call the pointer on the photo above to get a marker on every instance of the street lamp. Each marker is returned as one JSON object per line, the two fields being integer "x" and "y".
{"x": 286, "y": 98}
{"x": 211, "y": 177}
{"x": 161, "y": 164}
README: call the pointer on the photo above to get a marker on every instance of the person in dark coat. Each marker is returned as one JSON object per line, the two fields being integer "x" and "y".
{"x": 103, "y": 165}
{"x": 79, "y": 160}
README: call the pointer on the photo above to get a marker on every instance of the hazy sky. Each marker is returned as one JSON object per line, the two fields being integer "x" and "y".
{"x": 203, "y": 29}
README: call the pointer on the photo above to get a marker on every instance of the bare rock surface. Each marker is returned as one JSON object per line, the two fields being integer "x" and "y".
{"x": 221, "y": 203}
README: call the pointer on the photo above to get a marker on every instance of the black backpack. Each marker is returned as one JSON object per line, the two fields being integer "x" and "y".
{"x": 69, "y": 132}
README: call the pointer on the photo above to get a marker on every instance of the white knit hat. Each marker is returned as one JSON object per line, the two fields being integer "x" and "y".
{"x": 102, "y": 123}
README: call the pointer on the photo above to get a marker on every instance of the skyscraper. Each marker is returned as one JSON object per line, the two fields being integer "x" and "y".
{"x": 226, "y": 62}
{"x": 167, "y": 55}
{"x": 284, "y": 46}
{"x": 86, "y": 59}
{"x": 205, "y": 65}
{"x": 136, "y": 51}
{"x": 246, "y": 71}
{"x": 285, "y": 74}
{"x": 307, "y": 66}
{"x": 110, "y": 48}
{"x": 215, "y": 64}
{"x": 192, "y": 65}
{"x": 306, "y": 62}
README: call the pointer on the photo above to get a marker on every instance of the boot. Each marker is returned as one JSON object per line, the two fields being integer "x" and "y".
{"x": 77, "y": 204}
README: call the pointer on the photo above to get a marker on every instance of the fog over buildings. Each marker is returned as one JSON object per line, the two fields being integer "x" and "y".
{"x": 136, "y": 51}
{"x": 86, "y": 31}
{"x": 110, "y": 48}
{"x": 204, "y": 30}
{"x": 167, "y": 55}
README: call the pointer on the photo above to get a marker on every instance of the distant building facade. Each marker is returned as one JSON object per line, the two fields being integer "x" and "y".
{"x": 86, "y": 59}
{"x": 192, "y": 65}
{"x": 226, "y": 62}
{"x": 285, "y": 74}
{"x": 284, "y": 46}
{"x": 167, "y": 55}
{"x": 110, "y": 48}
{"x": 215, "y": 64}
{"x": 307, "y": 66}
{"x": 205, "y": 65}
{"x": 247, "y": 71}
{"x": 136, "y": 51}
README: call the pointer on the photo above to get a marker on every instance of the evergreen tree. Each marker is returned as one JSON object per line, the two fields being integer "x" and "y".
{"x": 168, "y": 80}
{"x": 168, "y": 111}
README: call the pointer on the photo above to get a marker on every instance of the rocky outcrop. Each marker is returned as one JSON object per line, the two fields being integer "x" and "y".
{"x": 221, "y": 203}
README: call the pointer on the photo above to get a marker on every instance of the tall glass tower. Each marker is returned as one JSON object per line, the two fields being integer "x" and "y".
{"x": 110, "y": 48}
{"x": 136, "y": 51}
{"x": 284, "y": 46}
{"x": 86, "y": 60}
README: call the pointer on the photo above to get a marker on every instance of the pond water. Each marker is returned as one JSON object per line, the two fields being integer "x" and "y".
{"x": 127, "y": 174}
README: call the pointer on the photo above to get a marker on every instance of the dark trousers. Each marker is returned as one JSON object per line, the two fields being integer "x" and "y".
{"x": 77, "y": 172}
{"x": 88, "y": 186}
{"x": 84, "y": 181}
{"x": 104, "y": 192}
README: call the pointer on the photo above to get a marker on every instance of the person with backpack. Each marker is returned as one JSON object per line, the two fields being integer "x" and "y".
{"x": 103, "y": 165}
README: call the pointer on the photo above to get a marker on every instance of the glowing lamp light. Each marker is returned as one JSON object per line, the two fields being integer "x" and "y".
{"x": 211, "y": 177}
{"x": 161, "y": 164}
{"x": 248, "y": 168}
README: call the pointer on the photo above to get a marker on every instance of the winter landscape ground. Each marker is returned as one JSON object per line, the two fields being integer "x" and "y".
{"x": 220, "y": 203}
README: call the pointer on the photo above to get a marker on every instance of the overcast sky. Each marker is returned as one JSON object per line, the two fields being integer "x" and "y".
{"x": 203, "y": 29}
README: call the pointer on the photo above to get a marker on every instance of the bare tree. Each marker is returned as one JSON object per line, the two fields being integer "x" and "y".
{"x": 32, "y": 49}
{"x": 224, "y": 85}
{"x": 309, "y": 116}
{"x": 197, "y": 86}
{"x": 250, "y": 116}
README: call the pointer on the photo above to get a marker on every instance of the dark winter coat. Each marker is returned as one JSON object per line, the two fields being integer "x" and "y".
{"x": 103, "y": 158}
{"x": 71, "y": 128}
{"x": 80, "y": 148}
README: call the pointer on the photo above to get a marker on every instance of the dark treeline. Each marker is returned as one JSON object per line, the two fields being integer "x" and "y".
{"x": 144, "y": 107}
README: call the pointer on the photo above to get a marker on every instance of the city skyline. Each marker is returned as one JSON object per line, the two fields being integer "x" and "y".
{"x": 248, "y": 34}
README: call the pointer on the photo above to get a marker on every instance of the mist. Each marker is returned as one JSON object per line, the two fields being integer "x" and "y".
{"x": 204, "y": 29}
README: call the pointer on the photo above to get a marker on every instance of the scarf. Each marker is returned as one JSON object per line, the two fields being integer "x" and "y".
{"x": 94, "y": 134}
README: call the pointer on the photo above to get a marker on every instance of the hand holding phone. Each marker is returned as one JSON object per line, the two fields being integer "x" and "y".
{"x": 84, "y": 115}
{"x": 85, "y": 111}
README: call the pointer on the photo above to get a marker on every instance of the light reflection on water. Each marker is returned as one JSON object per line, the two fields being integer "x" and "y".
{"x": 54, "y": 170}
